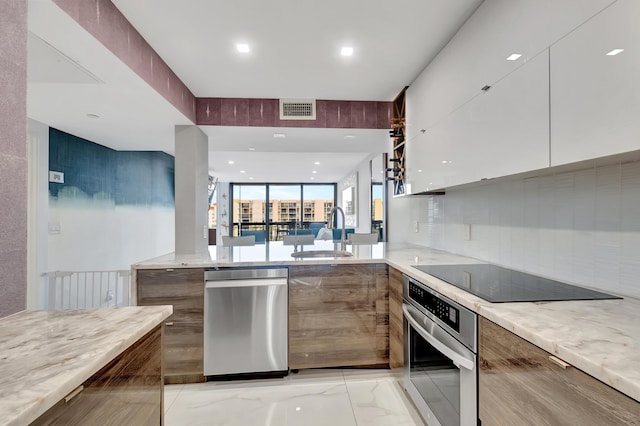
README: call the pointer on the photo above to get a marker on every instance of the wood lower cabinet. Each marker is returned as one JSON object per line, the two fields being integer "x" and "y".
{"x": 127, "y": 391}
{"x": 519, "y": 384}
{"x": 396, "y": 330}
{"x": 338, "y": 315}
{"x": 184, "y": 336}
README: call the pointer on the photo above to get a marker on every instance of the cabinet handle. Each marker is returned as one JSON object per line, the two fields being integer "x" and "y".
{"x": 559, "y": 362}
{"x": 73, "y": 393}
{"x": 168, "y": 323}
{"x": 169, "y": 269}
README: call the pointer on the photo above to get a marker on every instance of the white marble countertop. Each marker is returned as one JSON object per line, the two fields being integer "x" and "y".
{"x": 600, "y": 337}
{"x": 273, "y": 254}
{"x": 47, "y": 354}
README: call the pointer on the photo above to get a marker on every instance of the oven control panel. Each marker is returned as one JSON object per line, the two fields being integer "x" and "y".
{"x": 438, "y": 307}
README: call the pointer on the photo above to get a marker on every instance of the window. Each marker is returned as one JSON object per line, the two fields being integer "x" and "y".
{"x": 277, "y": 208}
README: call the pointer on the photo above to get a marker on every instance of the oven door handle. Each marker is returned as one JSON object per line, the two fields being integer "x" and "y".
{"x": 457, "y": 358}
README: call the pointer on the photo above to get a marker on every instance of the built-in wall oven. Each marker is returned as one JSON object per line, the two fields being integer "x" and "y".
{"x": 440, "y": 356}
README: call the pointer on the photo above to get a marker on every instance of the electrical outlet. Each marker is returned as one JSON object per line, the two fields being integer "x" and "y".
{"x": 56, "y": 177}
{"x": 54, "y": 228}
{"x": 205, "y": 231}
{"x": 416, "y": 226}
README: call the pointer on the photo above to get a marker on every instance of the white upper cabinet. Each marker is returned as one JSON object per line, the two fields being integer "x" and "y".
{"x": 595, "y": 95}
{"x": 499, "y": 132}
{"x": 477, "y": 54}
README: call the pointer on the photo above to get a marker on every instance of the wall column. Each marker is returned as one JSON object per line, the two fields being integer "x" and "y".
{"x": 191, "y": 199}
{"x": 13, "y": 156}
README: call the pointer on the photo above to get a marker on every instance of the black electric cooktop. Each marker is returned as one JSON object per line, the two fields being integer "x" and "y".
{"x": 496, "y": 284}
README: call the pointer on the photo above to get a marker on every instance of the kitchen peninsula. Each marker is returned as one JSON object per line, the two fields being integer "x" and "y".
{"x": 82, "y": 366}
{"x": 601, "y": 338}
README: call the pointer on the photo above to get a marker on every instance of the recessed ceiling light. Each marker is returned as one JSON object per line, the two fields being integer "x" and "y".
{"x": 250, "y": 177}
{"x": 420, "y": 171}
{"x": 346, "y": 51}
{"x": 279, "y": 135}
{"x": 231, "y": 162}
{"x": 314, "y": 172}
{"x": 614, "y": 52}
{"x": 243, "y": 48}
{"x": 317, "y": 163}
{"x": 312, "y": 178}
{"x": 242, "y": 171}
{"x": 444, "y": 161}
{"x": 349, "y": 136}
{"x": 251, "y": 148}
{"x": 514, "y": 57}
{"x": 94, "y": 116}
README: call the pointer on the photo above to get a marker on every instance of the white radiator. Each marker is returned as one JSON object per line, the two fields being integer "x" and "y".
{"x": 87, "y": 289}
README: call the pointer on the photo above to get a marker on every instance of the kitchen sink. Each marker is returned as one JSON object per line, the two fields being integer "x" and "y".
{"x": 321, "y": 253}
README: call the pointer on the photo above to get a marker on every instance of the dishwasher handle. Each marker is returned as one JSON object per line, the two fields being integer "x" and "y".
{"x": 261, "y": 282}
{"x": 245, "y": 274}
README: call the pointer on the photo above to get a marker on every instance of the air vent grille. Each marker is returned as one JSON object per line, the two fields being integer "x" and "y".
{"x": 295, "y": 109}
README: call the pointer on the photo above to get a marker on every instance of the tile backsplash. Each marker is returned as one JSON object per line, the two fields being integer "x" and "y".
{"x": 581, "y": 227}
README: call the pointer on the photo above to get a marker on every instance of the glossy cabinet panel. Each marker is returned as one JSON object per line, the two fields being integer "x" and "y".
{"x": 595, "y": 97}
{"x": 500, "y": 132}
{"x": 338, "y": 315}
{"x": 128, "y": 391}
{"x": 476, "y": 55}
{"x": 184, "y": 335}
{"x": 519, "y": 383}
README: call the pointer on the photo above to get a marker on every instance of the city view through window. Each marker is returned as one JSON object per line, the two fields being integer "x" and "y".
{"x": 288, "y": 206}
{"x": 270, "y": 211}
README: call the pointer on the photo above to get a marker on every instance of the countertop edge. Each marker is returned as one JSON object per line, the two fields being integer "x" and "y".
{"x": 31, "y": 412}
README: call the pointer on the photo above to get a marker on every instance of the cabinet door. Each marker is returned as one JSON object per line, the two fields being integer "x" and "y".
{"x": 182, "y": 288}
{"x": 127, "y": 391}
{"x": 519, "y": 384}
{"x": 184, "y": 335}
{"x": 476, "y": 55}
{"x": 595, "y": 97}
{"x": 338, "y": 315}
{"x": 396, "y": 331}
{"x": 500, "y": 132}
{"x": 184, "y": 352}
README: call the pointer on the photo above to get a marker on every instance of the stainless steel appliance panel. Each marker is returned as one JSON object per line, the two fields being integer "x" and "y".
{"x": 245, "y": 324}
{"x": 440, "y": 363}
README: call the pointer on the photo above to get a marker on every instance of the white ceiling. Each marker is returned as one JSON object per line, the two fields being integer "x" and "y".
{"x": 295, "y": 54}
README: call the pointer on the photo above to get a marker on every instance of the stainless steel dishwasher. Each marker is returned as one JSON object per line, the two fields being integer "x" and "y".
{"x": 245, "y": 321}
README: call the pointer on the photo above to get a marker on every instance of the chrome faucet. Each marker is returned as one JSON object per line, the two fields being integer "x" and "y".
{"x": 343, "y": 240}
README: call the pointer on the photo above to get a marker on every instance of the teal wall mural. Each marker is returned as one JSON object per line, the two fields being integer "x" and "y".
{"x": 98, "y": 172}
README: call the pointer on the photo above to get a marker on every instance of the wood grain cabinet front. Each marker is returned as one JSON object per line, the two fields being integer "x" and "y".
{"x": 127, "y": 391}
{"x": 521, "y": 384}
{"x": 338, "y": 315}
{"x": 396, "y": 331}
{"x": 184, "y": 334}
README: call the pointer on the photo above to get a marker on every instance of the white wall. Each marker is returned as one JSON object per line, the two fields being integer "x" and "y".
{"x": 191, "y": 194}
{"x": 97, "y": 235}
{"x": 223, "y": 211}
{"x": 581, "y": 227}
{"x": 363, "y": 189}
{"x": 38, "y": 211}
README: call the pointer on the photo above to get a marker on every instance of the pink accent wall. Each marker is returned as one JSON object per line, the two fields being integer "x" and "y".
{"x": 265, "y": 113}
{"x": 109, "y": 26}
{"x": 13, "y": 156}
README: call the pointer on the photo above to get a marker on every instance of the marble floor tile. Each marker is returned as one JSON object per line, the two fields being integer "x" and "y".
{"x": 381, "y": 402}
{"x": 170, "y": 394}
{"x": 304, "y": 404}
{"x": 353, "y": 374}
{"x": 331, "y": 397}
